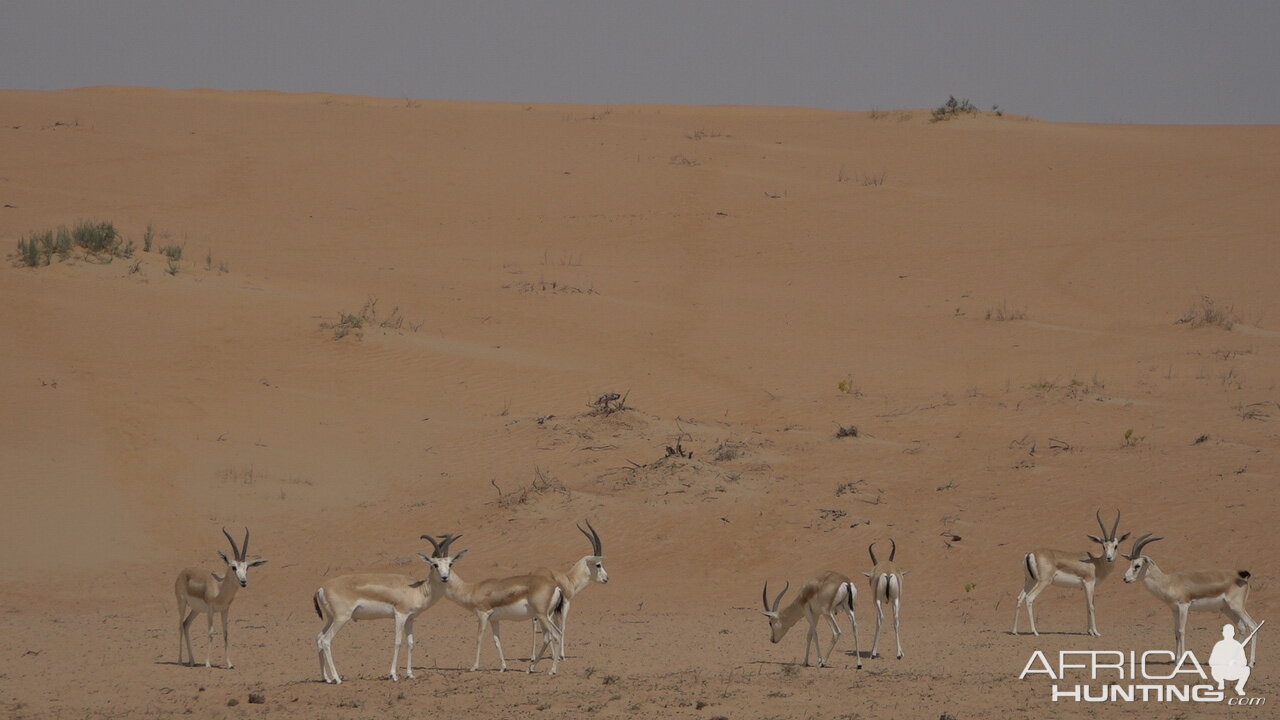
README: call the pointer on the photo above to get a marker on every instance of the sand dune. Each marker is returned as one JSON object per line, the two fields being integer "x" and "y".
{"x": 993, "y": 302}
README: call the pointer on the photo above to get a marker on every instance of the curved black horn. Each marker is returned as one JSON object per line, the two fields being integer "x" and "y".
{"x": 435, "y": 545}
{"x": 235, "y": 551}
{"x": 1097, "y": 514}
{"x": 764, "y": 595}
{"x": 244, "y": 548}
{"x": 592, "y": 537}
{"x": 445, "y": 541}
{"x": 872, "y": 549}
{"x": 893, "y": 549}
{"x": 598, "y": 545}
{"x": 778, "y": 600}
{"x": 1114, "y": 526}
{"x": 1141, "y": 543}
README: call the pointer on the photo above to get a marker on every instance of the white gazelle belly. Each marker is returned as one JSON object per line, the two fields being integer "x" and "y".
{"x": 1213, "y": 603}
{"x": 1067, "y": 580}
{"x": 515, "y": 611}
{"x": 371, "y": 610}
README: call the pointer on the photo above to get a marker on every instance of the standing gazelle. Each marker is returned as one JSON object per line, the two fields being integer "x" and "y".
{"x": 1045, "y": 567}
{"x": 588, "y": 569}
{"x": 886, "y": 587}
{"x": 207, "y": 592}
{"x": 821, "y": 597}
{"x": 368, "y": 596}
{"x": 1223, "y": 590}
{"x": 495, "y": 600}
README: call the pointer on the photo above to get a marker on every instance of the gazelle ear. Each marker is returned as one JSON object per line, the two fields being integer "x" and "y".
{"x": 904, "y": 573}
{"x": 418, "y": 584}
{"x": 868, "y": 574}
{"x": 424, "y": 556}
{"x": 1095, "y": 539}
{"x": 259, "y": 561}
{"x": 224, "y": 557}
{"x": 1123, "y": 537}
{"x": 458, "y": 557}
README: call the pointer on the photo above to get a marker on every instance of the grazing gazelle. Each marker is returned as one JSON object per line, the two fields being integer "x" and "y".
{"x": 1223, "y": 590}
{"x": 207, "y": 592}
{"x": 821, "y": 597}
{"x": 368, "y": 596}
{"x": 886, "y": 587}
{"x": 589, "y": 569}
{"x": 495, "y": 600}
{"x": 1067, "y": 569}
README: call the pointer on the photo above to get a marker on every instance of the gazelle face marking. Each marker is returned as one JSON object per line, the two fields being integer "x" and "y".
{"x": 598, "y": 573}
{"x": 442, "y": 565}
{"x": 1137, "y": 568}
{"x": 237, "y": 563}
{"x": 1109, "y": 542}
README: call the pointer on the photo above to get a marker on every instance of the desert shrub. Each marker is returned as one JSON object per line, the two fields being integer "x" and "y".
{"x": 96, "y": 237}
{"x": 1208, "y": 312}
{"x": 953, "y": 108}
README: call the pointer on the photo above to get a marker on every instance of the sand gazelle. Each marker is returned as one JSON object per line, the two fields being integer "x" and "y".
{"x": 820, "y": 597}
{"x": 1045, "y": 567}
{"x": 369, "y": 596}
{"x": 886, "y": 587}
{"x": 1223, "y": 590}
{"x": 512, "y": 598}
{"x": 588, "y": 569}
{"x": 207, "y": 592}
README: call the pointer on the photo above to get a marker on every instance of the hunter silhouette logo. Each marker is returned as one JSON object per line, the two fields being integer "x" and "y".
{"x": 1105, "y": 676}
{"x": 1227, "y": 661}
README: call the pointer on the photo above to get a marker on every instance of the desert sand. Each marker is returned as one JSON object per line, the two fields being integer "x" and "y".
{"x": 988, "y": 306}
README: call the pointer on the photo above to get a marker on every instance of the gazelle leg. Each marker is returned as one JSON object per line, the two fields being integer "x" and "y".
{"x": 835, "y": 637}
{"x": 226, "y": 640}
{"x": 324, "y": 668}
{"x": 395, "y": 655}
{"x": 1093, "y": 618}
{"x": 497, "y": 640}
{"x": 408, "y": 636}
{"x": 897, "y": 628}
{"x": 325, "y": 641}
{"x": 857, "y": 652}
{"x": 1241, "y": 617}
{"x": 875, "y": 644}
{"x": 1180, "y": 628}
{"x": 484, "y": 625}
{"x": 209, "y": 648}
{"x": 1040, "y": 587}
{"x": 564, "y": 622}
{"x": 185, "y": 629}
{"x": 537, "y": 628}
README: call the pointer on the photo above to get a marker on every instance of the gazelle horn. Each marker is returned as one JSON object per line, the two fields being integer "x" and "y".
{"x": 235, "y": 551}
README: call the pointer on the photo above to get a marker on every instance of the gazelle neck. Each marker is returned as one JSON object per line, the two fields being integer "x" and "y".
{"x": 227, "y": 587}
{"x": 579, "y": 576}
{"x": 1101, "y": 567}
{"x": 791, "y": 614}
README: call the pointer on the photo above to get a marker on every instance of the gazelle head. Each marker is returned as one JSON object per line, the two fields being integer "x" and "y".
{"x": 237, "y": 563}
{"x": 595, "y": 561}
{"x": 1138, "y": 563}
{"x": 771, "y": 611}
{"x": 440, "y": 559}
{"x": 1109, "y": 542}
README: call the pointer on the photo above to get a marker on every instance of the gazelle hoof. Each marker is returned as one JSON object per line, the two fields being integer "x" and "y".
{"x": 899, "y": 656}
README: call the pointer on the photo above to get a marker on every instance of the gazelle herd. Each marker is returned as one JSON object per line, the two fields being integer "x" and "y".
{"x": 544, "y": 596}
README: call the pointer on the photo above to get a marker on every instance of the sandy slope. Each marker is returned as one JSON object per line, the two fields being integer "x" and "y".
{"x": 728, "y": 267}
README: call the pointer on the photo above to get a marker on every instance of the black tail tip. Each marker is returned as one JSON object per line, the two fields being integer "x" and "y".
{"x": 1244, "y": 574}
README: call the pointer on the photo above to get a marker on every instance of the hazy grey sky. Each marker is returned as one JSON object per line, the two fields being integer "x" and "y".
{"x": 1183, "y": 61}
